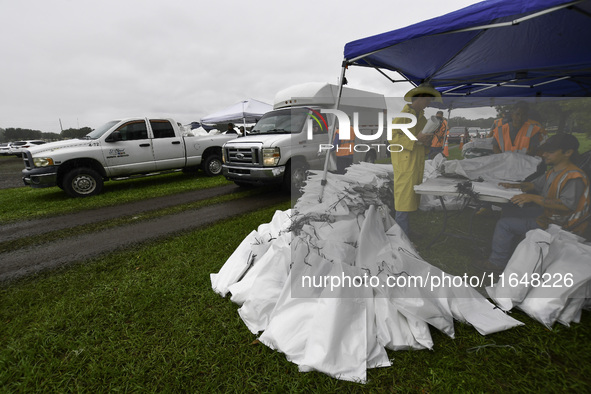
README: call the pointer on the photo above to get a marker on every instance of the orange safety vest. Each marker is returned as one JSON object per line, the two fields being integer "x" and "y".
{"x": 574, "y": 221}
{"x": 344, "y": 147}
{"x": 439, "y": 135}
{"x": 522, "y": 139}
{"x": 498, "y": 122}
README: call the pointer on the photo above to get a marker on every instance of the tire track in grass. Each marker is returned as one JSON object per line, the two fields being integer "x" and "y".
{"x": 27, "y": 261}
{"x": 29, "y": 228}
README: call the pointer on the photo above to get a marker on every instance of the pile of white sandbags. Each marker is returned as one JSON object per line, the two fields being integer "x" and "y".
{"x": 334, "y": 282}
{"x": 548, "y": 277}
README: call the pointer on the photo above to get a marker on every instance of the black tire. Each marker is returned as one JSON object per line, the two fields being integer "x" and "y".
{"x": 82, "y": 182}
{"x": 294, "y": 180}
{"x": 212, "y": 165}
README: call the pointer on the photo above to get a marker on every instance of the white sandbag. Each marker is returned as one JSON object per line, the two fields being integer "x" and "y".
{"x": 252, "y": 247}
{"x": 507, "y": 166}
{"x": 392, "y": 327}
{"x": 470, "y": 307}
{"x": 273, "y": 272}
{"x": 413, "y": 297}
{"x": 236, "y": 265}
{"x": 571, "y": 313}
{"x": 527, "y": 259}
{"x": 289, "y": 323}
{"x": 372, "y": 239}
{"x": 345, "y": 230}
{"x": 339, "y": 343}
{"x": 445, "y": 298}
{"x": 569, "y": 269}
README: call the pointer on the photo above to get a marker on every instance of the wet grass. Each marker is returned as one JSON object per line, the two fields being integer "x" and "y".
{"x": 147, "y": 320}
{"x": 39, "y": 239}
{"x": 27, "y": 203}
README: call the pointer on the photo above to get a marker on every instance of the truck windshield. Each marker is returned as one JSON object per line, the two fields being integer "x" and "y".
{"x": 284, "y": 121}
{"x": 98, "y": 132}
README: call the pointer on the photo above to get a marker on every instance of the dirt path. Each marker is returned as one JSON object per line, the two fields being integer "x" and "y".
{"x": 30, "y": 260}
{"x": 10, "y": 172}
{"x": 35, "y": 227}
{"x": 37, "y": 258}
{"x": 16, "y": 264}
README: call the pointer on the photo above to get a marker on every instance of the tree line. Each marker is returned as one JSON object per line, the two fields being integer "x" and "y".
{"x": 18, "y": 134}
{"x": 569, "y": 115}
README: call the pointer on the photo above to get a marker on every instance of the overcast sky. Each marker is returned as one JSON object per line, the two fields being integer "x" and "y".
{"x": 86, "y": 62}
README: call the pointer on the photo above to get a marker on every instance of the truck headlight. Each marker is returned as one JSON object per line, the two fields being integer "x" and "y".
{"x": 42, "y": 161}
{"x": 271, "y": 157}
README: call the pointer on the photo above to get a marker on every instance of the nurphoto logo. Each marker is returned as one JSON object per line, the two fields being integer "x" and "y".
{"x": 345, "y": 129}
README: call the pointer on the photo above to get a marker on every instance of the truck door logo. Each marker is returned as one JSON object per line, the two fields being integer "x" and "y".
{"x": 115, "y": 153}
{"x": 318, "y": 118}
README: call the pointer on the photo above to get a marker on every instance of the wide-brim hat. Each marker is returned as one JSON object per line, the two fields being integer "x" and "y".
{"x": 423, "y": 88}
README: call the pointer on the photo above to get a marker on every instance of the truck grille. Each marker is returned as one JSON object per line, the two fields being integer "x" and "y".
{"x": 245, "y": 156}
{"x": 28, "y": 159}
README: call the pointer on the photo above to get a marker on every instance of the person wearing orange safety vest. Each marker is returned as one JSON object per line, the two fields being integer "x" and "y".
{"x": 438, "y": 136}
{"x": 496, "y": 123}
{"x": 520, "y": 134}
{"x": 562, "y": 197}
{"x": 343, "y": 150}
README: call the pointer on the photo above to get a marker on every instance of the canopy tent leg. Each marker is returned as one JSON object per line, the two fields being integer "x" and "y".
{"x": 331, "y": 130}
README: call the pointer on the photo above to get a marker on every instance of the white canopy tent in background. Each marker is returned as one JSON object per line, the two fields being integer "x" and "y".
{"x": 246, "y": 111}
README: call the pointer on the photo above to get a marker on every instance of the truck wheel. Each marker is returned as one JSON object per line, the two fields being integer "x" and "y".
{"x": 212, "y": 165}
{"x": 82, "y": 182}
{"x": 294, "y": 180}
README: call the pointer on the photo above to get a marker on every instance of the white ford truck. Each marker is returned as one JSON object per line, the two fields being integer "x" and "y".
{"x": 119, "y": 149}
{"x": 279, "y": 148}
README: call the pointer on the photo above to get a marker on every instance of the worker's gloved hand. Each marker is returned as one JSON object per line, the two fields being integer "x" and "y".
{"x": 425, "y": 139}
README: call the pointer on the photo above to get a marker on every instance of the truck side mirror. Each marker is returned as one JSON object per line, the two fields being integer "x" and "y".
{"x": 114, "y": 137}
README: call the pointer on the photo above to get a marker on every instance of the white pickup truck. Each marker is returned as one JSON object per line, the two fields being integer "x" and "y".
{"x": 119, "y": 149}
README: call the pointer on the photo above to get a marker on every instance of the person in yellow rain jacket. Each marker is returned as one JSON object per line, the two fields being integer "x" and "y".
{"x": 409, "y": 164}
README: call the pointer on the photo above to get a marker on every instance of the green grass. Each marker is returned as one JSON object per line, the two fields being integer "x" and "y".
{"x": 147, "y": 320}
{"x": 584, "y": 142}
{"x": 38, "y": 239}
{"x": 27, "y": 203}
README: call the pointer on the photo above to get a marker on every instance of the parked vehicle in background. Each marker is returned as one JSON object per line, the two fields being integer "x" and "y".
{"x": 117, "y": 150}
{"x": 455, "y": 134}
{"x": 16, "y": 148}
{"x": 279, "y": 150}
{"x": 473, "y": 132}
{"x": 4, "y": 148}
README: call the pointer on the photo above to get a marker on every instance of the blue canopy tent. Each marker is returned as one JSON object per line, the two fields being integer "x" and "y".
{"x": 492, "y": 49}
{"x": 496, "y": 48}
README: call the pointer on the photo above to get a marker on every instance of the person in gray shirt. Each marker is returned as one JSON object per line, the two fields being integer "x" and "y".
{"x": 561, "y": 195}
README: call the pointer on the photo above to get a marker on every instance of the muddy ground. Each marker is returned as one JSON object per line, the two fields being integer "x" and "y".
{"x": 30, "y": 260}
{"x": 10, "y": 172}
